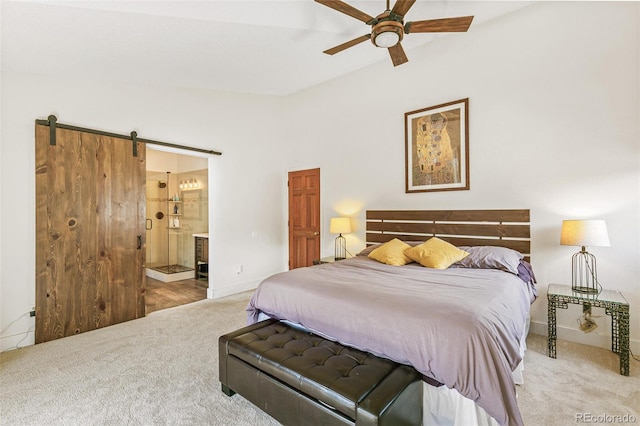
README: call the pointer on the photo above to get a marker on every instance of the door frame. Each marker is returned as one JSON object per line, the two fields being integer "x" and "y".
{"x": 210, "y": 158}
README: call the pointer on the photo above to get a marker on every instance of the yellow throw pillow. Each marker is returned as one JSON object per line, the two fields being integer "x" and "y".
{"x": 436, "y": 253}
{"x": 391, "y": 253}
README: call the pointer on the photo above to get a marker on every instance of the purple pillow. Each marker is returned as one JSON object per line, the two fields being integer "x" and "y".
{"x": 489, "y": 257}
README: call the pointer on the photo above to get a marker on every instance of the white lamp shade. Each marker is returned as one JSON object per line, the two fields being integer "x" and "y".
{"x": 584, "y": 233}
{"x": 340, "y": 225}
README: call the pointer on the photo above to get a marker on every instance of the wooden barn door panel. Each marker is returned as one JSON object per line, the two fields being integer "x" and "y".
{"x": 90, "y": 209}
{"x": 304, "y": 217}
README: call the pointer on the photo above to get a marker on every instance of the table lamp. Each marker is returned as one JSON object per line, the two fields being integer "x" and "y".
{"x": 340, "y": 225}
{"x": 583, "y": 233}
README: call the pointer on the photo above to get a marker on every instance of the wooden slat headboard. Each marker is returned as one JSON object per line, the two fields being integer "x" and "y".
{"x": 506, "y": 228}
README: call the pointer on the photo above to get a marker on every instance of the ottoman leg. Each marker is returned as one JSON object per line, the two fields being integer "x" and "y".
{"x": 227, "y": 391}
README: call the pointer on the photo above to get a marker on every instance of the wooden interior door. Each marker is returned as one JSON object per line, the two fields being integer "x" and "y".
{"x": 304, "y": 217}
{"x": 90, "y": 210}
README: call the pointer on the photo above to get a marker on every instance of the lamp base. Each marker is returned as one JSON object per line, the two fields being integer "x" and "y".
{"x": 582, "y": 289}
{"x": 341, "y": 248}
{"x": 584, "y": 276}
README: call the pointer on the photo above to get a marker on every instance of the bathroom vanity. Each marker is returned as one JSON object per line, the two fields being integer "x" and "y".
{"x": 201, "y": 258}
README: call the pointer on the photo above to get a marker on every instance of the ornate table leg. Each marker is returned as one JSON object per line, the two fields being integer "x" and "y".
{"x": 551, "y": 320}
{"x": 622, "y": 314}
{"x": 615, "y": 328}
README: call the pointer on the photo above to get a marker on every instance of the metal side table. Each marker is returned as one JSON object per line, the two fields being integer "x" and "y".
{"x": 615, "y": 305}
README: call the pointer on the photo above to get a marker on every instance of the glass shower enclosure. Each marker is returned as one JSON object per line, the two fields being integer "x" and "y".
{"x": 169, "y": 234}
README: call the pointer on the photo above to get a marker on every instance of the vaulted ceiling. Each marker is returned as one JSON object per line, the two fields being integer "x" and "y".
{"x": 261, "y": 46}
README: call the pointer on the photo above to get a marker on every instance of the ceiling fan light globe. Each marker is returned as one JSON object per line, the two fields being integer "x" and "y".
{"x": 387, "y": 33}
{"x": 386, "y": 39}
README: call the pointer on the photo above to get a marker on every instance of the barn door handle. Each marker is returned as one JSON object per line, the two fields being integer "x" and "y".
{"x": 139, "y": 242}
{"x": 149, "y": 225}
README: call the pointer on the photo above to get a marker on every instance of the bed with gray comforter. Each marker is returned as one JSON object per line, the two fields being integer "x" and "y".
{"x": 459, "y": 326}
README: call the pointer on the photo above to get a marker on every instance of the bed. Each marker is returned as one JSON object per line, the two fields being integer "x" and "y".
{"x": 462, "y": 326}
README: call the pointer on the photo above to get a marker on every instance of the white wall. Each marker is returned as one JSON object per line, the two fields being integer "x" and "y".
{"x": 243, "y": 181}
{"x": 159, "y": 160}
{"x": 554, "y": 127}
{"x": 3, "y": 327}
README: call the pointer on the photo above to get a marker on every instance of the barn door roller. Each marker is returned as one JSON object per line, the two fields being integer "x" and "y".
{"x": 52, "y": 129}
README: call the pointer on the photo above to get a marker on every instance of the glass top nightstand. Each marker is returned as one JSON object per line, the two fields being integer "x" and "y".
{"x": 604, "y": 296}
{"x": 328, "y": 259}
{"x": 615, "y": 305}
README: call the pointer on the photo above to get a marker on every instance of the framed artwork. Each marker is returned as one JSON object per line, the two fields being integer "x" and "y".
{"x": 437, "y": 147}
{"x": 191, "y": 204}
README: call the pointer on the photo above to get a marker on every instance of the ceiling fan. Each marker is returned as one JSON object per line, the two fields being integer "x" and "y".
{"x": 388, "y": 28}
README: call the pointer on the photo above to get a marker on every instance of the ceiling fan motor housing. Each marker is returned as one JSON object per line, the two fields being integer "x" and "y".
{"x": 388, "y": 30}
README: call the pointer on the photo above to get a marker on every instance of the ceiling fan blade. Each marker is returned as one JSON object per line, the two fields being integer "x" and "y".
{"x": 446, "y": 25}
{"x": 347, "y": 45}
{"x": 402, "y": 6}
{"x": 397, "y": 54}
{"x": 343, "y": 7}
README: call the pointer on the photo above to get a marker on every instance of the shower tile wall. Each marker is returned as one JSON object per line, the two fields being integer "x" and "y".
{"x": 175, "y": 246}
{"x": 195, "y": 213}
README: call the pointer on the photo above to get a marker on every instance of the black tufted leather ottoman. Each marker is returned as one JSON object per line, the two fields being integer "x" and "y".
{"x": 300, "y": 378}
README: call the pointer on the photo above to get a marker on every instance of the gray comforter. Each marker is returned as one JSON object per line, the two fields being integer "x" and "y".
{"x": 461, "y": 327}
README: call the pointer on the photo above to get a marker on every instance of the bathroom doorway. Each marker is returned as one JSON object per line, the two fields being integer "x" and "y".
{"x": 177, "y": 217}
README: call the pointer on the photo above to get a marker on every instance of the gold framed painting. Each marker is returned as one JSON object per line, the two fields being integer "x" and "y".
{"x": 437, "y": 147}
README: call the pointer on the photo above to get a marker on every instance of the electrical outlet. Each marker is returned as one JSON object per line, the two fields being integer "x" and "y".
{"x": 32, "y": 313}
{"x": 239, "y": 269}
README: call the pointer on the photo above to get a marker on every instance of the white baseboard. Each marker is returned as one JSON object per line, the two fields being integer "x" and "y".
{"x": 216, "y": 293}
{"x": 578, "y": 336}
{"x": 168, "y": 278}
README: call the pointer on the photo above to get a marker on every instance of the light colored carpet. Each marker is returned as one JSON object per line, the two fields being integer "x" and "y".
{"x": 582, "y": 381}
{"x": 163, "y": 370}
{"x": 158, "y": 370}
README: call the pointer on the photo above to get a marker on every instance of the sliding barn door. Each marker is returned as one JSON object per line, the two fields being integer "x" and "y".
{"x": 90, "y": 210}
